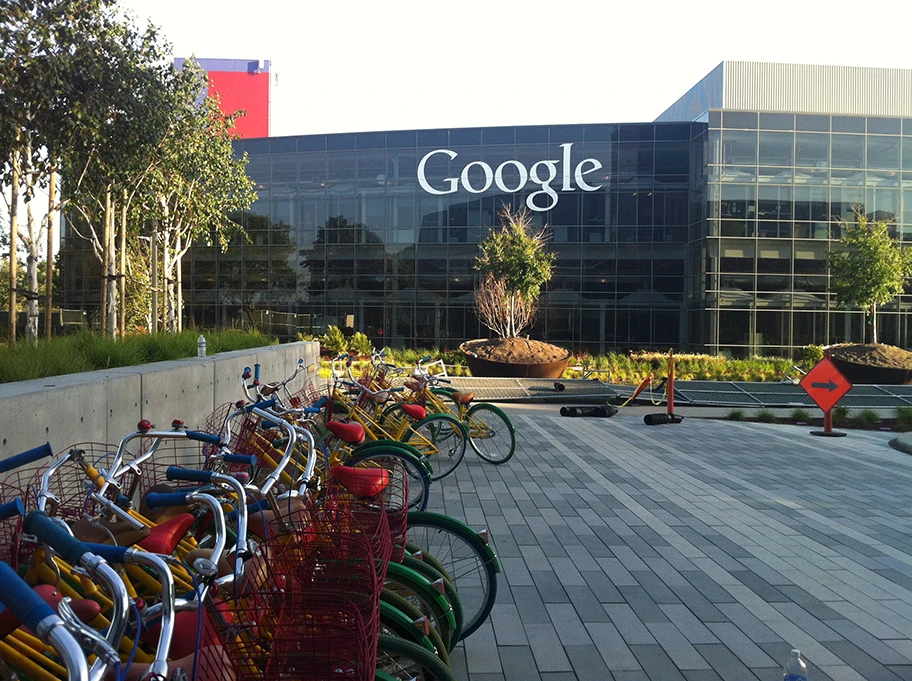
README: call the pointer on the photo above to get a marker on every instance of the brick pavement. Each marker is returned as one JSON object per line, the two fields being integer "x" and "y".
{"x": 705, "y": 550}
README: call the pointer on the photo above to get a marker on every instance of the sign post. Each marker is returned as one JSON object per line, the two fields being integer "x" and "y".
{"x": 826, "y": 385}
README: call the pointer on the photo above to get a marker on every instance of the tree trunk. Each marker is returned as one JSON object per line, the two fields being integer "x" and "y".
{"x": 31, "y": 273}
{"x": 179, "y": 288}
{"x": 122, "y": 281}
{"x": 169, "y": 287}
{"x": 874, "y": 323}
{"x": 154, "y": 249}
{"x": 105, "y": 262}
{"x": 14, "y": 232}
{"x": 49, "y": 270}
{"x": 112, "y": 275}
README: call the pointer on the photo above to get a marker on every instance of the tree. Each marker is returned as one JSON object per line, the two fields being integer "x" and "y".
{"x": 196, "y": 186}
{"x": 514, "y": 265}
{"x": 871, "y": 268}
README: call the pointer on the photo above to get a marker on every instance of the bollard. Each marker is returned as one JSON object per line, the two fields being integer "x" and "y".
{"x": 669, "y": 416}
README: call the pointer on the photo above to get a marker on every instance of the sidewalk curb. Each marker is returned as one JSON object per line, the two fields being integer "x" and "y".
{"x": 903, "y": 443}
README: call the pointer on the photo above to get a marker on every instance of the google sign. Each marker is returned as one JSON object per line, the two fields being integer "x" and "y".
{"x": 541, "y": 173}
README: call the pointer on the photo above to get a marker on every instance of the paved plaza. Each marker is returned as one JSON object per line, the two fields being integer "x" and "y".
{"x": 700, "y": 551}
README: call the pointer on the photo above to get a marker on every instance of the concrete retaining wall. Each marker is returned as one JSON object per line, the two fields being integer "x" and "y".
{"x": 104, "y": 406}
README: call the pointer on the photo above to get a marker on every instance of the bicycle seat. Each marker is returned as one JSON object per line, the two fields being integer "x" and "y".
{"x": 362, "y": 482}
{"x": 352, "y": 433}
{"x": 164, "y": 538}
{"x": 463, "y": 398}
{"x": 86, "y": 610}
{"x": 416, "y": 411}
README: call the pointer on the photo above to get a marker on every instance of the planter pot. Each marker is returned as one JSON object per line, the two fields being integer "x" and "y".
{"x": 872, "y": 375}
{"x": 484, "y": 368}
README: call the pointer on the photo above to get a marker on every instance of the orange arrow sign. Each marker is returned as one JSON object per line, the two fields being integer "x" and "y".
{"x": 825, "y": 384}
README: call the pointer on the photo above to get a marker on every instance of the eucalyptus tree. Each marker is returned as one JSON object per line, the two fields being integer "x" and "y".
{"x": 135, "y": 120}
{"x": 66, "y": 78}
{"x": 197, "y": 186}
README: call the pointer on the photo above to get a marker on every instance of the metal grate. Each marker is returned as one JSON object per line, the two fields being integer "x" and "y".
{"x": 742, "y": 393}
{"x": 519, "y": 389}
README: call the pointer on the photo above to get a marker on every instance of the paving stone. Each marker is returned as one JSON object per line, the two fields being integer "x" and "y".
{"x": 656, "y": 663}
{"x": 547, "y": 650}
{"x": 587, "y": 663}
{"x": 518, "y": 663}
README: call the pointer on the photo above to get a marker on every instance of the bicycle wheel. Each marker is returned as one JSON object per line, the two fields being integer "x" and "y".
{"x": 404, "y": 607}
{"x": 465, "y": 555}
{"x": 421, "y": 593}
{"x": 491, "y": 433}
{"x": 433, "y": 574}
{"x": 442, "y": 439}
{"x": 404, "y": 660}
{"x": 419, "y": 479}
{"x": 394, "y": 620}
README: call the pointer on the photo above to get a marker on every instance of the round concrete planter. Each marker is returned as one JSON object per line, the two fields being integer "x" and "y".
{"x": 483, "y": 368}
{"x": 861, "y": 374}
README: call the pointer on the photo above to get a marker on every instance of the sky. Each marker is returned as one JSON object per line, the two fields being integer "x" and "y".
{"x": 358, "y": 66}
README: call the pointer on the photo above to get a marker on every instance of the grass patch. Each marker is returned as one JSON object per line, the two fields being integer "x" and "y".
{"x": 867, "y": 419}
{"x": 736, "y": 415}
{"x": 840, "y": 415}
{"x": 904, "y": 419}
{"x": 89, "y": 351}
{"x": 765, "y": 416}
{"x": 800, "y": 415}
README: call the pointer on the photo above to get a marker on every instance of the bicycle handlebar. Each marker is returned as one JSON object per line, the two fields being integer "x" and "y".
{"x": 25, "y": 458}
{"x": 11, "y": 509}
{"x": 49, "y": 532}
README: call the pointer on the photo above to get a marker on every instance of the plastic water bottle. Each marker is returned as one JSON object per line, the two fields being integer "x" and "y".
{"x": 795, "y": 668}
{"x": 201, "y": 346}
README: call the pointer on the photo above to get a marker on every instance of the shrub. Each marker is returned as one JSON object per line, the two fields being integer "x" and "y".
{"x": 904, "y": 419}
{"x": 360, "y": 345}
{"x": 765, "y": 416}
{"x": 810, "y": 355}
{"x": 735, "y": 415}
{"x": 800, "y": 415}
{"x": 840, "y": 415}
{"x": 333, "y": 342}
{"x": 867, "y": 419}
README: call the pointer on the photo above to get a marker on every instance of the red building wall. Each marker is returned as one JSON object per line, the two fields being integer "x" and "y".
{"x": 241, "y": 84}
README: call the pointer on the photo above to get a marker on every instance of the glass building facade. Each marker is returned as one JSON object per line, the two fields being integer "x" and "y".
{"x": 777, "y": 187}
{"x": 343, "y": 227}
{"x": 709, "y": 234}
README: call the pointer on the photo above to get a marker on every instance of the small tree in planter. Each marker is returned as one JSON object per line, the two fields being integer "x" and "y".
{"x": 513, "y": 265}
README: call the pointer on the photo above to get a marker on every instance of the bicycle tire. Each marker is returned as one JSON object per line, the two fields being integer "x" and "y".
{"x": 466, "y": 556}
{"x": 413, "y": 613}
{"x": 393, "y": 620}
{"x": 419, "y": 590}
{"x": 419, "y": 478}
{"x": 491, "y": 433}
{"x": 450, "y": 590}
{"x": 445, "y": 439}
{"x": 404, "y": 661}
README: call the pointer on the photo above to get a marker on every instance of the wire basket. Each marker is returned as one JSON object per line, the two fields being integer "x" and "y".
{"x": 22, "y": 482}
{"x": 309, "y": 607}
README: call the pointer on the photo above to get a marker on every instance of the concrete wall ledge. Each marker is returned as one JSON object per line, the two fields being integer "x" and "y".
{"x": 104, "y": 406}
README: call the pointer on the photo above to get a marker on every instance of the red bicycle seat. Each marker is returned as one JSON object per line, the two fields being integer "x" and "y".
{"x": 84, "y": 609}
{"x": 463, "y": 398}
{"x": 416, "y": 411}
{"x": 164, "y": 538}
{"x": 352, "y": 433}
{"x": 362, "y": 482}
